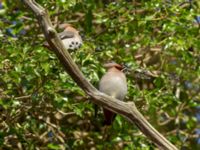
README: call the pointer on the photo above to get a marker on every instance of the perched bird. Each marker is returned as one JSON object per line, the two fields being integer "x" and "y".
{"x": 70, "y": 37}
{"x": 114, "y": 84}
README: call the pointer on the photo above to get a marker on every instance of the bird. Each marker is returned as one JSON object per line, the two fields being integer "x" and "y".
{"x": 70, "y": 37}
{"x": 114, "y": 84}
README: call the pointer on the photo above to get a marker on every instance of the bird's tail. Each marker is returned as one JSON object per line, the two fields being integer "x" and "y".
{"x": 109, "y": 117}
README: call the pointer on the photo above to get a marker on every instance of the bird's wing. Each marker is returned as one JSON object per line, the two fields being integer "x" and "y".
{"x": 66, "y": 34}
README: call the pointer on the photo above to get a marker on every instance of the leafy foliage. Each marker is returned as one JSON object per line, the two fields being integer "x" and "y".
{"x": 41, "y": 107}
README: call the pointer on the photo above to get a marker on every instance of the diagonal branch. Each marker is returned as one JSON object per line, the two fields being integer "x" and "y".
{"x": 128, "y": 110}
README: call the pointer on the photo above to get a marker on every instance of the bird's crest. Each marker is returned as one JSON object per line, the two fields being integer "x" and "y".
{"x": 113, "y": 64}
{"x": 65, "y": 25}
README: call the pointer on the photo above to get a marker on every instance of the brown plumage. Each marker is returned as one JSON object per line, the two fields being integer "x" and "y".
{"x": 70, "y": 37}
{"x": 113, "y": 83}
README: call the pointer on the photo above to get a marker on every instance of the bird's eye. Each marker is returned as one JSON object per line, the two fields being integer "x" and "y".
{"x": 73, "y": 43}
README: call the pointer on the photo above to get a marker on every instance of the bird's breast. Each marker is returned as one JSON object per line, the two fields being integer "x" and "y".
{"x": 114, "y": 85}
{"x": 72, "y": 43}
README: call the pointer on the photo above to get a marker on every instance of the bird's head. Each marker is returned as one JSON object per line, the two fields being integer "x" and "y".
{"x": 113, "y": 65}
{"x": 68, "y": 27}
{"x": 65, "y": 25}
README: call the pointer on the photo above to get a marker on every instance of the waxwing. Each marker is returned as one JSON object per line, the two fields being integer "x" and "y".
{"x": 114, "y": 84}
{"x": 70, "y": 37}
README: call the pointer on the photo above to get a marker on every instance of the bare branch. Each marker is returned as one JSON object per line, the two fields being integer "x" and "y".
{"x": 128, "y": 110}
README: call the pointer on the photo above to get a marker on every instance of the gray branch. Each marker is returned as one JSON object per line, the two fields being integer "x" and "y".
{"x": 126, "y": 109}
